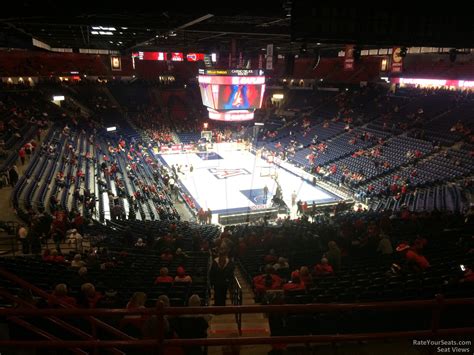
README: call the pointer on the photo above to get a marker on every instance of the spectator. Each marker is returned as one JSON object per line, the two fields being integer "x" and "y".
{"x": 270, "y": 257}
{"x": 180, "y": 256}
{"x": 193, "y": 327}
{"x": 151, "y": 327}
{"x": 77, "y": 261}
{"x": 334, "y": 255}
{"x": 164, "y": 277}
{"x": 267, "y": 281}
{"x": 295, "y": 283}
{"x": 417, "y": 260}
{"x": 25, "y": 242}
{"x": 323, "y": 268}
{"x": 74, "y": 238}
{"x": 221, "y": 274}
{"x": 140, "y": 243}
{"x": 88, "y": 296}
{"x": 181, "y": 275}
{"x": 385, "y": 246}
{"x": 208, "y": 216}
{"x": 305, "y": 277}
{"x": 59, "y": 296}
{"x": 167, "y": 256}
{"x": 282, "y": 264}
{"x": 13, "y": 175}
{"x": 110, "y": 300}
{"x": 82, "y": 273}
{"x": 22, "y": 155}
{"x": 134, "y": 323}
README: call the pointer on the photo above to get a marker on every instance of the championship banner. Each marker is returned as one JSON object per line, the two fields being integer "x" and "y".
{"x": 269, "y": 60}
{"x": 349, "y": 57}
{"x": 115, "y": 63}
{"x": 241, "y": 60}
{"x": 397, "y": 60}
{"x": 260, "y": 61}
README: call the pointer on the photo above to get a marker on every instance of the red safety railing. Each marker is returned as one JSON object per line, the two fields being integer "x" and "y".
{"x": 160, "y": 312}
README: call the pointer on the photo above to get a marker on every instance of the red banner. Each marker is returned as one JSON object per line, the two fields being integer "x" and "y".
{"x": 397, "y": 60}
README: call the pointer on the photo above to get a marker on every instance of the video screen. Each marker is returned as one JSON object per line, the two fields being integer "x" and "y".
{"x": 206, "y": 95}
{"x": 239, "y": 97}
{"x": 232, "y": 92}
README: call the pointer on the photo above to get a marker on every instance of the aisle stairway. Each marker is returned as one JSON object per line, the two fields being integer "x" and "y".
{"x": 253, "y": 325}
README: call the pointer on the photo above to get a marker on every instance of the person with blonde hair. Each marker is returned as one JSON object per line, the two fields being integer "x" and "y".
{"x": 77, "y": 261}
{"x": 134, "y": 323}
{"x": 60, "y": 296}
{"x": 193, "y": 326}
{"x": 88, "y": 297}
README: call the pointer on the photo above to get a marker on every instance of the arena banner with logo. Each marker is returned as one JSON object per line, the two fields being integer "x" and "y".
{"x": 349, "y": 57}
{"x": 397, "y": 60}
{"x": 115, "y": 63}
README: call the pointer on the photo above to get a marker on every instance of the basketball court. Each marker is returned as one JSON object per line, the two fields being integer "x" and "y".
{"x": 232, "y": 181}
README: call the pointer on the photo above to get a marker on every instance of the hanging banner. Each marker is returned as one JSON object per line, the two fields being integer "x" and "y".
{"x": 241, "y": 60}
{"x": 115, "y": 63}
{"x": 397, "y": 60}
{"x": 260, "y": 61}
{"x": 349, "y": 57}
{"x": 230, "y": 60}
{"x": 269, "y": 60}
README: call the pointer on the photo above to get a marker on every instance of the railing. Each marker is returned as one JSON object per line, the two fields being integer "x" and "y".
{"x": 436, "y": 306}
{"x": 237, "y": 300}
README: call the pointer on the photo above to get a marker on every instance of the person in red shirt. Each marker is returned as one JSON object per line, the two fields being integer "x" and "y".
{"x": 270, "y": 258}
{"x": 267, "y": 281}
{"x": 305, "y": 276}
{"x": 59, "y": 296}
{"x": 181, "y": 275}
{"x": 22, "y": 154}
{"x": 295, "y": 283}
{"x": 323, "y": 268}
{"x": 417, "y": 259}
{"x": 164, "y": 277}
{"x": 88, "y": 297}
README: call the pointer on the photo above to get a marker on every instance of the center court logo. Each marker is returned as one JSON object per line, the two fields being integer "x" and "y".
{"x": 223, "y": 173}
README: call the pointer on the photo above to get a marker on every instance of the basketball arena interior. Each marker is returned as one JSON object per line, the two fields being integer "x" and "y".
{"x": 285, "y": 177}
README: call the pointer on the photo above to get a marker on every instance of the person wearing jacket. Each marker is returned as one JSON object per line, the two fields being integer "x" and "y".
{"x": 222, "y": 271}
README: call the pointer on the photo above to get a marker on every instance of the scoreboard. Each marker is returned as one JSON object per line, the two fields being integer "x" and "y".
{"x": 231, "y": 94}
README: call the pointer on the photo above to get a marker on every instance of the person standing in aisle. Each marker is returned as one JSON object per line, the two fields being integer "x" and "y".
{"x": 221, "y": 274}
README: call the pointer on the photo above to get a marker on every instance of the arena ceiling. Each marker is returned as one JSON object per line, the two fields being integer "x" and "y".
{"x": 293, "y": 26}
{"x": 155, "y": 27}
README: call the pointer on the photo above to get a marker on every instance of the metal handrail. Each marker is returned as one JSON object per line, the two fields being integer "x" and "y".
{"x": 237, "y": 300}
